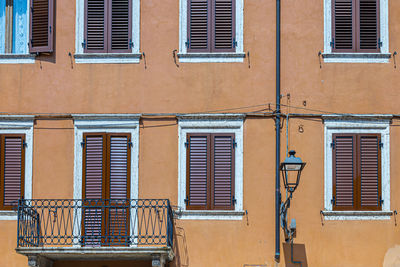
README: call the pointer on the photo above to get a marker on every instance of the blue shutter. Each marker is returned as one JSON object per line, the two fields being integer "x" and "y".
{"x": 20, "y": 28}
{"x": 2, "y": 25}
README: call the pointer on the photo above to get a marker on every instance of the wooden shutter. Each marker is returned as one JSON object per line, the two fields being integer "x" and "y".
{"x": 370, "y": 171}
{"x": 368, "y": 37}
{"x": 12, "y": 170}
{"x": 120, "y": 36}
{"x": 198, "y": 168}
{"x": 344, "y": 171}
{"x": 41, "y": 26}
{"x": 343, "y": 25}
{"x": 119, "y": 181}
{"x": 95, "y": 26}
{"x": 199, "y": 26}
{"x": 223, "y": 168}
{"x": 94, "y": 170}
{"x": 223, "y": 30}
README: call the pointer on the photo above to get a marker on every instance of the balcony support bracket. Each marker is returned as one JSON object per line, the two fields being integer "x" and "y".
{"x": 158, "y": 261}
{"x": 39, "y": 261}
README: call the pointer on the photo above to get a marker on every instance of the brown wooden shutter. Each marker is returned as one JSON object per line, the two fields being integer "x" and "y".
{"x": 96, "y": 31}
{"x": 344, "y": 171}
{"x": 368, "y": 38}
{"x": 223, "y": 171}
{"x": 41, "y": 26}
{"x": 120, "y": 35}
{"x": 199, "y": 26}
{"x": 343, "y": 26}
{"x": 94, "y": 170}
{"x": 12, "y": 170}
{"x": 223, "y": 30}
{"x": 370, "y": 171}
{"x": 198, "y": 169}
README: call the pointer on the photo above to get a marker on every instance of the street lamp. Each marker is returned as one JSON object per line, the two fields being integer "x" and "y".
{"x": 291, "y": 171}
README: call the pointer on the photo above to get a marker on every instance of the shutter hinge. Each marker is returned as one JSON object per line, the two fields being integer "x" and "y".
{"x": 84, "y": 43}
{"x": 333, "y": 145}
{"x": 130, "y": 144}
{"x": 50, "y": 28}
{"x": 24, "y": 144}
{"x": 380, "y": 144}
{"x": 186, "y": 200}
{"x": 332, "y": 42}
{"x": 83, "y": 143}
{"x": 234, "y": 144}
{"x": 130, "y": 43}
{"x": 187, "y": 43}
{"x": 187, "y": 143}
{"x": 381, "y": 201}
{"x": 234, "y": 43}
{"x": 333, "y": 201}
{"x": 233, "y": 200}
{"x": 380, "y": 43}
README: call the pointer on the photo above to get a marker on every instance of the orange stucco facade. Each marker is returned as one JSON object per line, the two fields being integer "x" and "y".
{"x": 56, "y": 86}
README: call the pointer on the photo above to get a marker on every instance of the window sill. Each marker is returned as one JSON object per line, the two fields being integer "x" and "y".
{"x": 211, "y": 57}
{"x": 356, "y": 215}
{"x": 8, "y": 215}
{"x": 17, "y": 59}
{"x": 228, "y": 215}
{"x": 108, "y": 58}
{"x": 356, "y": 57}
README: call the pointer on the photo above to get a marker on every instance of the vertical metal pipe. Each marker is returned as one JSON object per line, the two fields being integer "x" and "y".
{"x": 277, "y": 130}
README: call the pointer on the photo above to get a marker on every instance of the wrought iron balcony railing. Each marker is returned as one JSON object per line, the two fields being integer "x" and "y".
{"x": 94, "y": 222}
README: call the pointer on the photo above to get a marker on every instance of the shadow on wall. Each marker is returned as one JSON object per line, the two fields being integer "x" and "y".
{"x": 392, "y": 257}
{"x": 180, "y": 249}
{"x": 299, "y": 255}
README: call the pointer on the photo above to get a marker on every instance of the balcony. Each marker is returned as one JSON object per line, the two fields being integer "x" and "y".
{"x": 100, "y": 229}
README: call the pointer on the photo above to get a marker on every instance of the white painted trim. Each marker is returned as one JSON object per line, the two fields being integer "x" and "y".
{"x": 207, "y": 125}
{"x": 79, "y": 36}
{"x": 123, "y": 58}
{"x": 381, "y": 127}
{"x": 21, "y": 125}
{"x": 356, "y": 215}
{"x": 384, "y": 32}
{"x": 17, "y": 59}
{"x": 183, "y": 36}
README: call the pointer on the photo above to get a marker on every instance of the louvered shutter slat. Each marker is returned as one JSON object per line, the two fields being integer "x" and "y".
{"x": 96, "y": 30}
{"x": 343, "y": 23}
{"x": 13, "y": 170}
{"x": 94, "y": 167}
{"x": 224, "y": 26}
{"x": 41, "y": 26}
{"x": 198, "y": 153}
{"x": 223, "y": 171}
{"x": 369, "y": 25}
{"x": 118, "y": 167}
{"x": 370, "y": 176}
{"x": 121, "y": 33}
{"x": 198, "y": 25}
{"x": 344, "y": 171}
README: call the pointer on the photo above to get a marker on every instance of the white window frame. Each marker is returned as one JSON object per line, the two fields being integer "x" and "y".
{"x": 184, "y": 56}
{"x": 25, "y": 58}
{"x": 109, "y": 58}
{"x": 340, "y": 57}
{"x": 214, "y": 123}
{"x": 20, "y": 125}
{"x": 379, "y": 124}
{"x": 91, "y": 123}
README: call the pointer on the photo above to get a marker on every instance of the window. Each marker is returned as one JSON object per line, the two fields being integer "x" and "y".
{"x": 107, "y": 31}
{"x": 105, "y": 187}
{"x": 25, "y": 27}
{"x": 210, "y": 183}
{"x": 356, "y": 172}
{"x": 211, "y": 31}
{"x": 357, "y": 167}
{"x": 356, "y": 31}
{"x": 12, "y": 152}
{"x": 211, "y": 167}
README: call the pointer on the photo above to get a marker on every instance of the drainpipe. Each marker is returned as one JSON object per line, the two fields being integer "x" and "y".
{"x": 278, "y": 131}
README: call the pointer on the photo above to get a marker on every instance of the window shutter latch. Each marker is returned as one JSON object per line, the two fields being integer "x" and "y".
{"x": 332, "y": 42}
{"x": 380, "y": 144}
{"x": 333, "y": 201}
{"x": 186, "y": 200}
{"x": 187, "y": 43}
{"x": 50, "y": 28}
{"x": 234, "y": 144}
{"x": 234, "y": 43}
{"x": 130, "y": 144}
{"x": 380, "y": 43}
{"x": 24, "y": 144}
{"x": 233, "y": 200}
{"x": 333, "y": 145}
{"x": 130, "y": 43}
{"x": 381, "y": 201}
{"x": 187, "y": 143}
{"x": 84, "y": 43}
